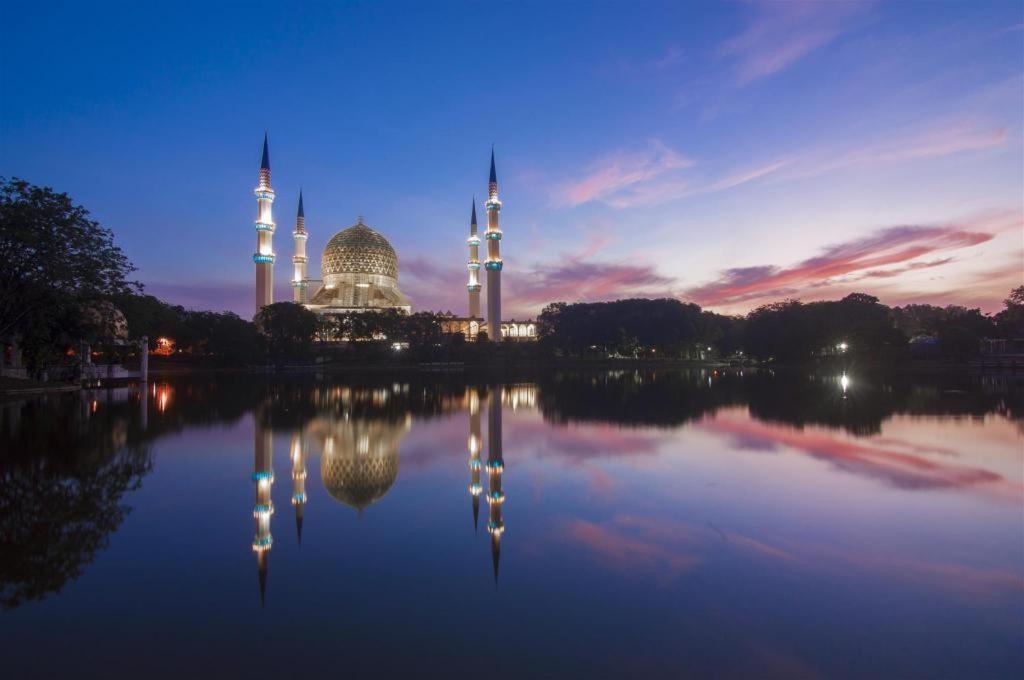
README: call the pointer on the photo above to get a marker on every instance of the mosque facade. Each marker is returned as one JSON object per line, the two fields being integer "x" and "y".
{"x": 359, "y": 267}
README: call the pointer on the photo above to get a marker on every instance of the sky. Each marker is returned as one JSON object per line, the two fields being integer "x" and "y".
{"x": 728, "y": 154}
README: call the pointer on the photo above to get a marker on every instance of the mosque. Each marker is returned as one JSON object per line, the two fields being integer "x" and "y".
{"x": 359, "y": 267}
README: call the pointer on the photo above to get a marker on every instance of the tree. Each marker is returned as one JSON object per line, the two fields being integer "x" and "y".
{"x": 56, "y": 264}
{"x": 288, "y": 329}
{"x": 1010, "y": 321}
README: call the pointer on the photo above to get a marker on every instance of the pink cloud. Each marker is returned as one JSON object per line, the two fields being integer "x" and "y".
{"x": 623, "y": 177}
{"x": 783, "y": 33}
{"x": 985, "y": 288}
{"x": 621, "y": 549}
{"x": 665, "y": 546}
{"x": 855, "y": 260}
{"x": 894, "y": 464}
{"x": 575, "y": 280}
{"x": 434, "y": 288}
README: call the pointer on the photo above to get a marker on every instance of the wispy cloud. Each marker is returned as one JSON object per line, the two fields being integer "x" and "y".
{"x": 885, "y": 253}
{"x": 623, "y": 177}
{"x": 658, "y": 174}
{"x": 576, "y": 280}
{"x": 781, "y": 33}
{"x": 941, "y": 139}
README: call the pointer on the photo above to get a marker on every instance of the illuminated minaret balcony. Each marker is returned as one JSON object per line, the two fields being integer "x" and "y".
{"x": 263, "y": 510}
{"x": 265, "y": 226}
{"x": 263, "y": 258}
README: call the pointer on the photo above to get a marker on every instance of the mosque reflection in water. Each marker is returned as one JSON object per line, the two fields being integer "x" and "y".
{"x": 358, "y": 440}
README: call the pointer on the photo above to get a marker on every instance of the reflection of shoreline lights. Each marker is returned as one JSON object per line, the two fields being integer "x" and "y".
{"x": 495, "y": 468}
{"x": 263, "y": 476}
{"x": 163, "y": 397}
{"x": 844, "y": 382}
{"x": 475, "y": 466}
{"x": 299, "y": 480}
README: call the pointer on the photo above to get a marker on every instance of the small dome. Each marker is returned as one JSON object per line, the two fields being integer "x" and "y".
{"x": 359, "y": 250}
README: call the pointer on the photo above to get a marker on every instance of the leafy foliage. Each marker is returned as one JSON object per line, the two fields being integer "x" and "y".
{"x": 57, "y": 264}
{"x": 288, "y": 329}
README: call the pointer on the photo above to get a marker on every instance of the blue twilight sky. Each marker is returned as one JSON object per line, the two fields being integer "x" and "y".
{"x": 730, "y": 154}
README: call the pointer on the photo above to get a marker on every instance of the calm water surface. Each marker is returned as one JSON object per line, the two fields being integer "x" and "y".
{"x": 609, "y": 524}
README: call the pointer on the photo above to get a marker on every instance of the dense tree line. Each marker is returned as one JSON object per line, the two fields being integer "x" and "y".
{"x": 787, "y": 331}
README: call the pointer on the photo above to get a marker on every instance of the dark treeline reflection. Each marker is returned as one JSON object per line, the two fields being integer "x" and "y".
{"x": 67, "y": 462}
{"x": 858, "y": 404}
{"x": 66, "y": 465}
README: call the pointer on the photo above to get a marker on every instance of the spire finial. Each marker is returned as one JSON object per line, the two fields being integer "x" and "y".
{"x": 265, "y": 164}
{"x": 472, "y": 220}
{"x": 301, "y": 212}
{"x": 494, "y": 175}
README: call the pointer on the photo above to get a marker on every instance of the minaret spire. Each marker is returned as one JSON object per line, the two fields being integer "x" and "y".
{"x": 474, "y": 266}
{"x": 493, "y": 263}
{"x": 264, "y": 256}
{"x": 300, "y": 282}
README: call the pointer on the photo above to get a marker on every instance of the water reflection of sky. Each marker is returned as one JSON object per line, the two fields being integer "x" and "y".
{"x": 724, "y": 544}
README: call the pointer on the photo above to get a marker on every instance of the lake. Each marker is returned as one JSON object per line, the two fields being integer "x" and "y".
{"x": 628, "y": 523}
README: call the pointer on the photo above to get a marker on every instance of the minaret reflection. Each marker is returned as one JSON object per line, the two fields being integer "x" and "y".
{"x": 475, "y": 488}
{"x": 495, "y": 468}
{"x": 263, "y": 477}
{"x": 298, "y": 452}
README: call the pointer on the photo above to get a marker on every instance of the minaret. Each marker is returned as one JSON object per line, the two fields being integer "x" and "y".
{"x": 474, "y": 267}
{"x": 299, "y": 479}
{"x": 495, "y": 468}
{"x": 299, "y": 259}
{"x": 263, "y": 476}
{"x": 474, "y": 453}
{"x": 264, "y": 255}
{"x": 493, "y": 263}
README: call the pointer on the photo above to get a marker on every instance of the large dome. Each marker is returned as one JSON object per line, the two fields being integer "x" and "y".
{"x": 359, "y": 463}
{"x": 359, "y": 250}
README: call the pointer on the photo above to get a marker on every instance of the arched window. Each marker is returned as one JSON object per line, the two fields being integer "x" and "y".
{"x": 531, "y": 330}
